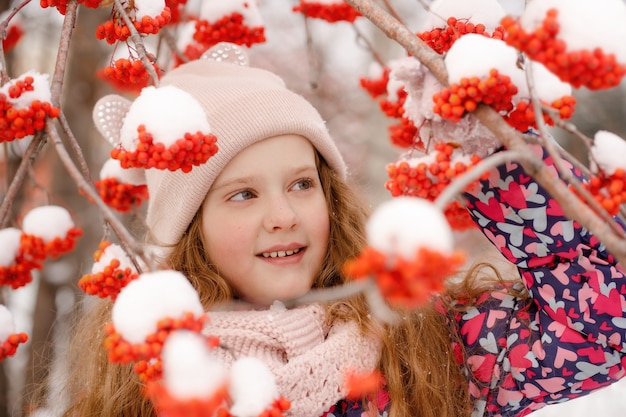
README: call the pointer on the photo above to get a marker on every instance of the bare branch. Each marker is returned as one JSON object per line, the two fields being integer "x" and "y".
{"x": 22, "y": 170}
{"x": 119, "y": 229}
{"x": 75, "y": 147}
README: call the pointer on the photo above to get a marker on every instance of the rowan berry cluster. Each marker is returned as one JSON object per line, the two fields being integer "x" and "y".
{"x": 230, "y": 28}
{"x": 36, "y": 250}
{"x": 18, "y": 274}
{"x": 376, "y": 87}
{"x": 592, "y": 69}
{"x": 148, "y": 354}
{"x": 127, "y": 74}
{"x": 120, "y": 196}
{"x": 523, "y": 115}
{"x": 184, "y": 154}
{"x": 61, "y": 5}
{"x": 16, "y": 123}
{"x": 454, "y": 101}
{"x": 116, "y": 30}
{"x": 169, "y": 405}
{"x": 427, "y": 177}
{"x": 330, "y": 12}
{"x": 359, "y": 384}
{"x": 404, "y": 133}
{"x": 9, "y": 346}
{"x": 405, "y": 283}
{"x": 441, "y": 39}
{"x": 608, "y": 190}
{"x": 109, "y": 281}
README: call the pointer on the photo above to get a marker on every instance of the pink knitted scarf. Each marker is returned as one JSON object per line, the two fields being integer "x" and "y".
{"x": 308, "y": 358}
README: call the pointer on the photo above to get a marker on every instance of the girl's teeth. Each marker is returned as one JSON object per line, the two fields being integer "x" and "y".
{"x": 280, "y": 254}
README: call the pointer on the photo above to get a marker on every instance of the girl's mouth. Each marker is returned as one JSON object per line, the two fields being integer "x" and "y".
{"x": 280, "y": 253}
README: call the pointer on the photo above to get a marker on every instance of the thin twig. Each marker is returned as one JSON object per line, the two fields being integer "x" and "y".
{"x": 360, "y": 37}
{"x": 137, "y": 40}
{"x": 4, "y": 25}
{"x": 564, "y": 173}
{"x": 320, "y": 295}
{"x": 22, "y": 170}
{"x": 75, "y": 146}
{"x": 462, "y": 181}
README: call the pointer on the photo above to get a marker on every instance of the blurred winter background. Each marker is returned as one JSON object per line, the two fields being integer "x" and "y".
{"x": 326, "y": 70}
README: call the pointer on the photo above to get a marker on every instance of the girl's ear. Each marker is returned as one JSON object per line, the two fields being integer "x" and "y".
{"x": 108, "y": 116}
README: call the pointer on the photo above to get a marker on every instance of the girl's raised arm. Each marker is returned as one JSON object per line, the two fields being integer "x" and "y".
{"x": 566, "y": 339}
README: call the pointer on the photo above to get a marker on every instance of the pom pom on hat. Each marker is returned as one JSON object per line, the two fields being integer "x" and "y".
{"x": 244, "y": 105}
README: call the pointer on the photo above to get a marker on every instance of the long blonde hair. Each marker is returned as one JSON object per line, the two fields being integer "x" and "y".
{"x": 423, "y": 379}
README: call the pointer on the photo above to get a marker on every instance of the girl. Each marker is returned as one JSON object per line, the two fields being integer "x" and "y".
{"x": 271, "y": 216}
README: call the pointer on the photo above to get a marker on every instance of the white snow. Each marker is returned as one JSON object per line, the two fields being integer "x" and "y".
{"x": 609, "y": 151}
{"x": 167, "y": 113}
{"x": 190, "y": 368}
{"x": 215, "y": 10}
{"x": 487, "y": 12}
{"x": 476, "y": 55}
{"x": 252, "y": 387}
{"x": 404, "y": 224}
{"x": 10, "y": 244}
{"x": 152, "y": 297}
{"x": 150, "y": 8}
{"x": 7, "y": 326}
{"x": 47, "y": 222}
{"x": 41, "y": 90}
{"x": 583, "y": 24}
{"x": 113, "y": 251}
{"x": 113, "y": 169}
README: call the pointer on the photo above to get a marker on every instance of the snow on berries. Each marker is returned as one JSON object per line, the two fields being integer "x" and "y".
{"x": 9, "y": 341}
{"x": 329, "y": 10}
{"x": 25, "y": 106}
{"x": 48, "y": 231}
{"x": 145, "y": 312}
{"x": 111, "y": 271}
{"x": 195, "y": 383}
{"x": 252, "y": 400}
{"x": 147, "y": 16}
{"x": 486, "y": 70}
{"x": 15, "y": 269}
{"x": 608, "y": 163}
{"x": 165, "y": 128}
{"x": 578, "y": 40}
{"x": 409, "y": 253}
{"x": 119, "y": 188}
{"x": 234, "y": 21}
{"x": 461, "y": 17}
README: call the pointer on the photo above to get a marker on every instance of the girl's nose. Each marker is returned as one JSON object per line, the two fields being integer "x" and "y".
{"x": 280, "y": 215}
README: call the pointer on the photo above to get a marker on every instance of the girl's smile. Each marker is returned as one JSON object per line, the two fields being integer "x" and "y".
{"x": 265, "y": 220}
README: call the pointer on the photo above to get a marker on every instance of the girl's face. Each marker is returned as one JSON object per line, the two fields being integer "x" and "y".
{"x": 265, "y": 220}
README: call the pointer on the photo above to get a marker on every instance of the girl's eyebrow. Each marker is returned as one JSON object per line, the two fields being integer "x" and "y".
{"x": 239, "y": 181}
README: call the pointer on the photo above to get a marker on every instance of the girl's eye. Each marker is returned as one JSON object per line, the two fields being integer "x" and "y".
{"x": 242, "y": 195}
{"x": 303, "y": 184}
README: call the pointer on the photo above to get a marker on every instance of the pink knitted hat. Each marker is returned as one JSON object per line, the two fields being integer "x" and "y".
{"x": 243, "y": 105}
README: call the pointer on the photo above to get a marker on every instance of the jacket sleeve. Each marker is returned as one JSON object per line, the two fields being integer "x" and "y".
{"x": 567, "y": 339}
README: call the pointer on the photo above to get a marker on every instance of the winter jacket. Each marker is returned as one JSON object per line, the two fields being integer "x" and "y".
{"x": 563, "y": 342}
